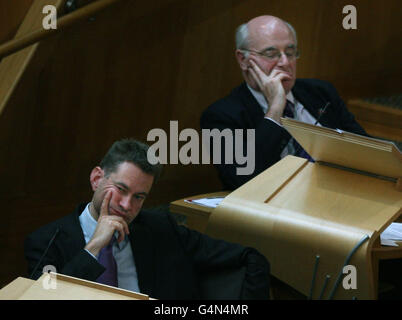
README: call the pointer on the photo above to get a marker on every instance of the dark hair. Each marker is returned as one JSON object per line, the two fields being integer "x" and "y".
{"x": 129, "y": 150}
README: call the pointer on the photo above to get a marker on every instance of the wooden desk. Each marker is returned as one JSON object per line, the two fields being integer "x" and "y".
{"x": 67, "y": 288}
{"x": 197, "y": 216}
{"x": 300, "y": 210}
{"x": 15, "y": 289}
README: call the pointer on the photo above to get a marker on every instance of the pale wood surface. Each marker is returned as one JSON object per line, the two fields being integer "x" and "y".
{"x": 70, "y": 288}
{"x": 315, "y": 209}
{"x": 347, "y": 149}
{"x": 16, "y": 288}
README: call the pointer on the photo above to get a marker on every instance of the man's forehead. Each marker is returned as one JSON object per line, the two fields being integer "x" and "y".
{"x": 129, "y": 172}
{"x": 269, "y": 32}
{"x": 138, "y": 185}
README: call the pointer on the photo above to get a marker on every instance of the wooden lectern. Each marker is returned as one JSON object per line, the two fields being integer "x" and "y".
{"x": 66, "y": 288}
{"x": 312, "y": 219}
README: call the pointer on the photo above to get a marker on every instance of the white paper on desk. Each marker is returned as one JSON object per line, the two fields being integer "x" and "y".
{"x": 391, "y": 234}
{"x": 206, "y": 202}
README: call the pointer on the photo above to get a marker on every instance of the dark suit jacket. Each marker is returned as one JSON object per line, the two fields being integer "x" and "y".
{"x": 170, "y": 259}
{"x": 240, "y": 110}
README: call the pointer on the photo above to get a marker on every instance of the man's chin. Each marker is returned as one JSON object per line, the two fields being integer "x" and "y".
{"x": 118, "y": 213}
{"x": 288, "y": 85}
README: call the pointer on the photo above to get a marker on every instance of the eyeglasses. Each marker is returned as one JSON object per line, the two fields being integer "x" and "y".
{"x": 274, "y": 54}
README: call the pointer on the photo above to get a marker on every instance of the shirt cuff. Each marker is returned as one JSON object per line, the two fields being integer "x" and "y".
{"x": 91, "y": 254}
{"x": 274, "y": 121}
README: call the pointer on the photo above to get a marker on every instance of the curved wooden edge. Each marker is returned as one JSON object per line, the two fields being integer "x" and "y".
{"x": 290, "y": 233}
{"x": 289, "y": 242}
{"x": 102, "y": 287}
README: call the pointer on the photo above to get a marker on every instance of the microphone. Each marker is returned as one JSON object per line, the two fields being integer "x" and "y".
{"x": 44, "y": 254}
{"x": 321, "y": 112}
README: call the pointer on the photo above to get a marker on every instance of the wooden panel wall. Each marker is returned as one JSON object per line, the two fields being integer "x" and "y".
{"x": 142, "y": 64}
{"x": 11, "y": 15}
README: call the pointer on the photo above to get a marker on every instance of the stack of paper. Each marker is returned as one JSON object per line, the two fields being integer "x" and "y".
{"x": 391, "y": 234}
{"x": 206, "y": 202}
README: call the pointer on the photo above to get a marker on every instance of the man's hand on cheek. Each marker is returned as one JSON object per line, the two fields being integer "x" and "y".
{"x": 106, "y": 227}
{"x": 272, "y": 89}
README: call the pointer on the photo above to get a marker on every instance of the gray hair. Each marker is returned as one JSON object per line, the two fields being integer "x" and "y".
{"x": 242, "y": 40}
{"x": 241, "y": 37}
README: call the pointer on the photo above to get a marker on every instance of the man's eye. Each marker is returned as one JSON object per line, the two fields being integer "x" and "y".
{"x": 271, "y": 54}
{"x": 290, "y": 51}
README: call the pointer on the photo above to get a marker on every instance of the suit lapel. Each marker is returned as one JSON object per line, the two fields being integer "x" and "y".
{"x": 144, "y": 256}
{"x": 71, "y": 235}
{"x": 313, "y": 103}
{"x": 250, "y": 102}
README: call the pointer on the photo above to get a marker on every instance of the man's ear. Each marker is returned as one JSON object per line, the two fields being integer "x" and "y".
{"x": 96, "y": 176}
{"x": 241, "y": 59}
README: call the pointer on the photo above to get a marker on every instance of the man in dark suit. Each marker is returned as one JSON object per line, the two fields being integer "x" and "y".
{"x": 146, "y": 252}
{"x": 266, "y": 50}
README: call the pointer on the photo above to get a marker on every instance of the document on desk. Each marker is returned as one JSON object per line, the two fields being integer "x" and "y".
{"x": 391, "y": 234}
{"x": 206, "y": 202}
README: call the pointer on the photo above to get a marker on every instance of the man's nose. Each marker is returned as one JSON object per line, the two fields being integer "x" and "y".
{"x": 125, "y": 203}
{"x": 283, "y": 60}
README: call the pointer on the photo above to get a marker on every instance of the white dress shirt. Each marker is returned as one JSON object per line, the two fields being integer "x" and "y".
{"x": 301, "y": 113}
{"x": 126, "y": 271}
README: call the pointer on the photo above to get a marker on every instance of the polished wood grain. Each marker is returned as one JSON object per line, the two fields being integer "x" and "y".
{"x": 378, "y": 120}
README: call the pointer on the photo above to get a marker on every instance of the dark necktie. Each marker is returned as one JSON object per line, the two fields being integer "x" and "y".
{"x": 106, "y": 258}
{"x": 299, "y": 151}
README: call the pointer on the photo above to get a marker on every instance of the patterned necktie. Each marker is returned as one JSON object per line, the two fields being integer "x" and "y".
{"x": 298, "y": 149}
{"x": 106, "y": 258}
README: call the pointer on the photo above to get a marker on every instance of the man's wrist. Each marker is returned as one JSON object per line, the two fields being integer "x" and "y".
{"x": 273, "y": 120}
{"x": 91, "y": 254}
{"x": 92, "y": 249}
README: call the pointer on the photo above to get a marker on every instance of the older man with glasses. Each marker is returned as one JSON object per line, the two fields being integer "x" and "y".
{"x": 266, "y": 50}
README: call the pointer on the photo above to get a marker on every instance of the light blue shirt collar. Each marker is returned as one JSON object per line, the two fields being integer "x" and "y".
{"x": 88, "y": 223}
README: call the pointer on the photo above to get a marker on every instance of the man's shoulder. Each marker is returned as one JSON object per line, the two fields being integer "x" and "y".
{"x": 231, "y": 108}
{"x": 311, "y": 83}
{"x": 158, "y": 222}
{"x": 233, "y": 98}
{"x": 151, "y": 215}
